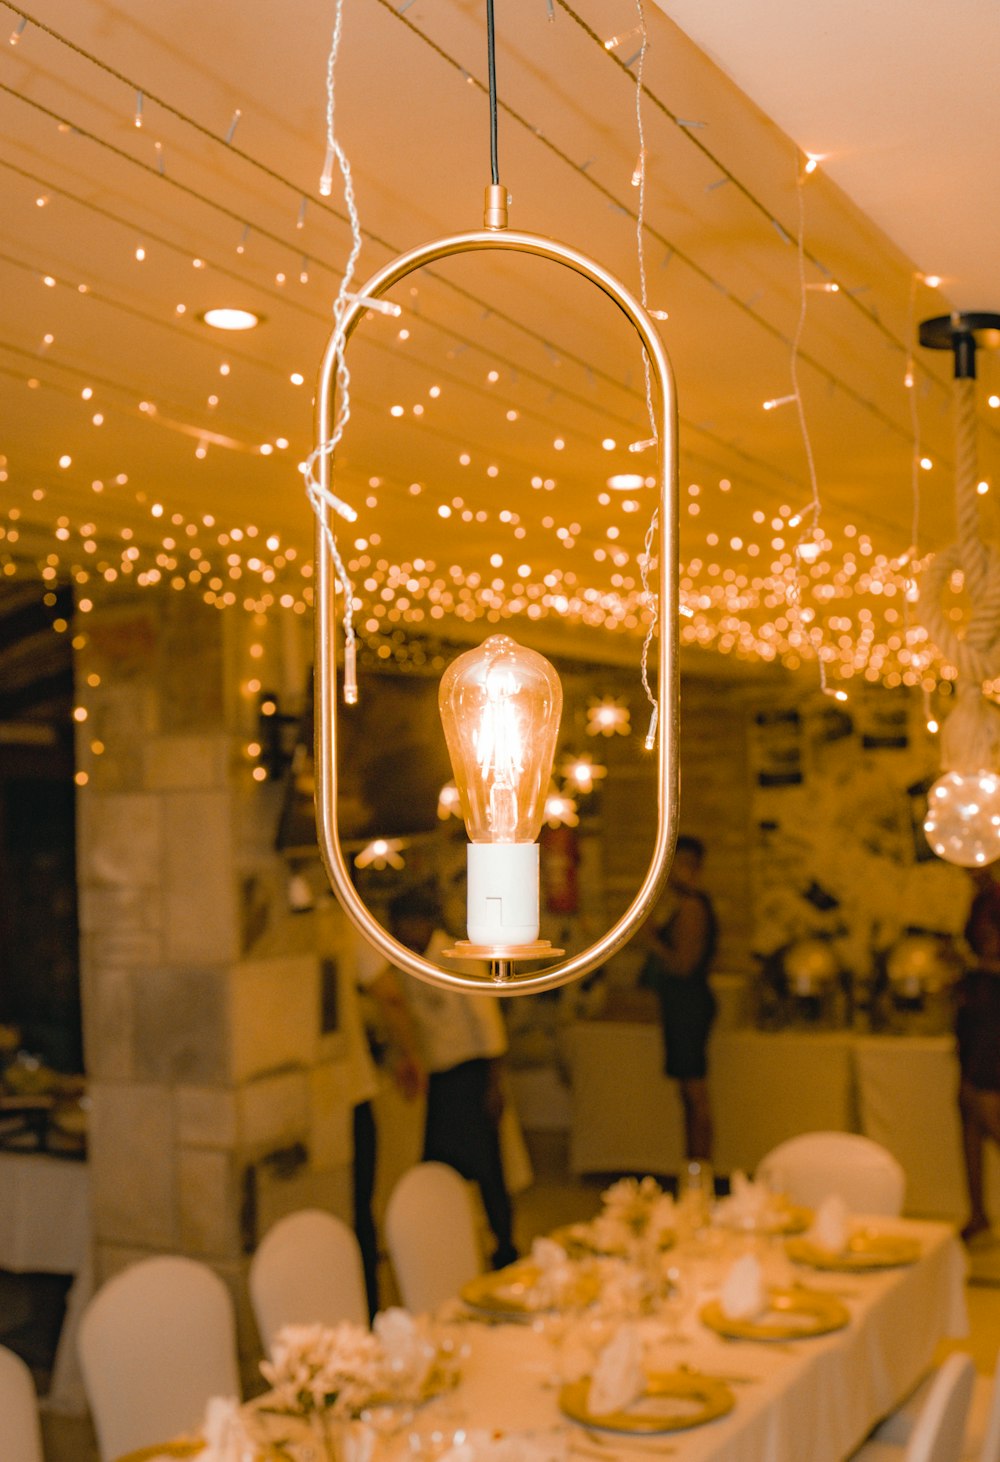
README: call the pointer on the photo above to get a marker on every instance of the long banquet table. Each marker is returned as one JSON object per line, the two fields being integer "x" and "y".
{"x": 815, "y": 1398}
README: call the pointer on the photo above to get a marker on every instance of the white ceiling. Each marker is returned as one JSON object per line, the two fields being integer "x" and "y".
{"x": 898, "y": 97}
{"x": 721, "y": 218}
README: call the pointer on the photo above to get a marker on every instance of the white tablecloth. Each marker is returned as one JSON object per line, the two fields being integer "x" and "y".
{"x": 45, "y": 1229}
{"x": 627, "y": 1115}
{"x": 815, "y": 1399}
{"x": 907, "y": 1096}
{"x": 900, "y": 1090}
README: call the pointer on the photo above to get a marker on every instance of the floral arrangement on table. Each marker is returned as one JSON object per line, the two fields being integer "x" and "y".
{"x": 635, "y": 1210}
{"x": 326, "y": 1377}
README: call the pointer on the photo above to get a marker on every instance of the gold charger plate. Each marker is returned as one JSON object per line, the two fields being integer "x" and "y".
{"x": 513, "y": 1292}
{"x": 579, "y": 1237}
{"x": 863, "y": 1251}
{"x": 791, "y": 1314}
{"x": 701, "y": 1398}
{"x": 792, "y": 1219}
{"x": 189, "y": 1448}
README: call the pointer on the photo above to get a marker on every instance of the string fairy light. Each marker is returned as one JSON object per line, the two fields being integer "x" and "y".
{"x": 807, "y": 549}
{"x": 730, "y": 607}
{"x": 539, "y": 137}
{"x": 322, "y": 499}
{"x": 536, "y": 133}
{"x": 639, "y": 180}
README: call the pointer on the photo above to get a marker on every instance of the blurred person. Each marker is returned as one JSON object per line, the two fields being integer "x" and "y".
{"x": 462, "y": 1041}
{"x": 680, "y": 938}
{"x": 367, "y": 971}
{"x": 977, "y": 1029}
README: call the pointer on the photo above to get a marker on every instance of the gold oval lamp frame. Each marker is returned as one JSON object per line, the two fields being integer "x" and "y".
{"x": 499, "y": 977}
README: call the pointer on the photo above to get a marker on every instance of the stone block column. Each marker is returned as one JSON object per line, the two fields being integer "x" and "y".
{"x": 201, "y": 995}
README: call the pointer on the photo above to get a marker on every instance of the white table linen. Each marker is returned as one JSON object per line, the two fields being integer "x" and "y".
{"x": 45, "y": 1229}
{"x": 815, "y": 1398}
{"x": 765, "y": 1087}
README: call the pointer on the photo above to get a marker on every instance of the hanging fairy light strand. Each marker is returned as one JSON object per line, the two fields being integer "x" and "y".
{"x": 321, "y": 498}
{"x": 647, "y": 553}
{"x": 808, "y": 547}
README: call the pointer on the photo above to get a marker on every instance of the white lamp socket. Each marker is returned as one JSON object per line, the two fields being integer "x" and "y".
{"x": 503, "y": 893}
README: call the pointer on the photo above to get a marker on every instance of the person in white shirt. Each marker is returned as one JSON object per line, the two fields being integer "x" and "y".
{"x": 462, "y": 1041}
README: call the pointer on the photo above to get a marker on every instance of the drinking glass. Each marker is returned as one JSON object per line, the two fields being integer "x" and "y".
{"x": 697, "y": 1194}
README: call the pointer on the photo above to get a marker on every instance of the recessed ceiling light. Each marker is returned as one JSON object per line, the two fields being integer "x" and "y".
{"x": 626, "y": 481}
{"x": 226, "y": 318}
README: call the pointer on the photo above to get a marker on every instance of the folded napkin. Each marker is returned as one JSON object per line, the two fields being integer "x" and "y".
{"x": 743, "y": 1295}
{"x": 618, "y": 1377}
{"x": 831, "y": 1224}
{"x": 223, "y": 1430}
{"x": 557, "y": 1274}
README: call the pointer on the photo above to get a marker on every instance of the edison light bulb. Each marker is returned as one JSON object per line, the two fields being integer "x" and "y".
{"x": 500, "y": 706}
{"x": 963, "y": 818}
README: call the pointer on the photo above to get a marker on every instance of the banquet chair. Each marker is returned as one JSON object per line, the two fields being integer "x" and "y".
{"x": 20, "y": 1434}
{"x": 156, "y": 1342}
{"x": 430, "y": 1230}
{"x": 814, "y": 1165}
{"x": 982, "y": 1430}
{"x": 939, "y": 1430}
{"x": 307, "y": 1268}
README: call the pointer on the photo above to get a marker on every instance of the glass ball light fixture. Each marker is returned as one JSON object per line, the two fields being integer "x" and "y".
{"x": 963, "y": 818}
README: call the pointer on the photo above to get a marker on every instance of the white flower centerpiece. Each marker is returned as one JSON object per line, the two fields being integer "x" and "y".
{"x": 323, "y": 1378}
{"x": 636, "y": 1212}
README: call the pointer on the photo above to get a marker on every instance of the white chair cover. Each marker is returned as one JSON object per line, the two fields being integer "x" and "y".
{"x": 982, "y": 1430}
{"x": 431, "y": 1233}
{"x": 156, "y": 1342}
{"x": 812, "y": 1166}
{"x": 986, "y": 1405}
{"x": 307, "y": 1268}
{"x": 940, "y": 1428}
{"x": 20, "y": 1434}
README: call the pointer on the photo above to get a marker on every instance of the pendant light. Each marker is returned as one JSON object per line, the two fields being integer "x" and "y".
{"x": 500, "y": 704}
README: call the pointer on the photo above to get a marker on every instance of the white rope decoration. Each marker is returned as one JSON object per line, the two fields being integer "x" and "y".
{"x": 970, "y": 738}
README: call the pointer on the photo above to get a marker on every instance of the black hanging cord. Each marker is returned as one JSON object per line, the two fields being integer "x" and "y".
{"x": 491, "y": 66}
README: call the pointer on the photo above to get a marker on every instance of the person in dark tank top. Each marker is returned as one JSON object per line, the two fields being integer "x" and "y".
{"x": 680, "y": 937}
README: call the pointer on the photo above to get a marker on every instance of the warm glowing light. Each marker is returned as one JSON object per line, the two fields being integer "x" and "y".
{"x": 626, "y": 481}
{"x": 382, "y": 853}
{"x": 500, "y": 707}
{"x": 449, "y": 802}
{"x": 581, "y": 772}
{"x": 608, "y": 717}
{"x": 227, "y": 317}
{"x": 560, "y": 810}
{"x": 963, "y": 818}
